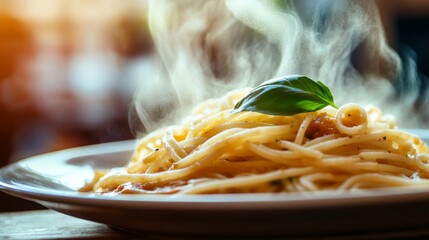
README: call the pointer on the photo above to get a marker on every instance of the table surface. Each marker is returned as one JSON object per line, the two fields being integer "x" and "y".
{"x": 48, "y": 224}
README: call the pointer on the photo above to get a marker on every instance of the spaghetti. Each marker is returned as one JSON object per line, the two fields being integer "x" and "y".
{"x": 215, "y": 151}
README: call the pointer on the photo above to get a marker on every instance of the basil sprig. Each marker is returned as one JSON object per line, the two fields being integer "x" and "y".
{"x": 287, "y": 96}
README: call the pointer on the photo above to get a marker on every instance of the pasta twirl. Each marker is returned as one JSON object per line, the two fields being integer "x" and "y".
{"x": 215, "y": 151}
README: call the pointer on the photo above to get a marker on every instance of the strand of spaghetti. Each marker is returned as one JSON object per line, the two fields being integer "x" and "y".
{"x": 226, "y": 167}
{"x": 321, "y": 177}
{"x": 207, "y": 123}
{"x": 360, "y": 167}
{"x": 152, "y": 162}
{"x": 337, "y": 160}
{"x": 211, "y": 146}
{"x": 226, "y": 126}
{"x": 230, "y": 138}
{"x": 378, "y": 178}
{"x": 374, "y": 114}
{"x": 398, "y": 135}
{"x": 116, "y": 179}
{"x": 190, "y": 144}
{"x": 302, "y": 151}
{"x": 322, "y": 139}
{"x": 324, "y": 146}
{"x": 278, "y": 156}
{"x": 290, "y": 187}
{"x": 244, "y": 116}
{"x": 160, "y": 164}
{"x": 265, "y": 119}
{"x": 170, "y": 143}
{"x": 325, "y": 180}
{"x": 233, "y": 96}
{"x": 152, "y": 140}
{"x": 351, "y": 119}
{"x": 421, "y": 164}
{"x": 405, "y": 136}
{"x": 239, "y": 154}
{"x": 214, "y": 124}
{"x": 414, "y": 164}
{"x": 309, "y": 185}
{"x": 303, "y": 128}
{"x": 424, "y": 158}
{"x": 246, "y": 181}
{"x": 297, "y": 185}
{"x": 147, "y": 144}
{"x": 272, "y": 139}
{"x": 377, "y": 126}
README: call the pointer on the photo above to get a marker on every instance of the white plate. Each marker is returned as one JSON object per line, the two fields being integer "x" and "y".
{"x": 52, "y": 179}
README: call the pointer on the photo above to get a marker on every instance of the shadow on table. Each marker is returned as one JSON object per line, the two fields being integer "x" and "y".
{"x": 9, "y": 203}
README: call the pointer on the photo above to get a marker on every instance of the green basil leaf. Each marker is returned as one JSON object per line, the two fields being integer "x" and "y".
{"x": 287, "y": 96}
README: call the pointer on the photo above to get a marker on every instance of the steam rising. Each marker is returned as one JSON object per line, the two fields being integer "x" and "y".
{"x": 206, "y": 48}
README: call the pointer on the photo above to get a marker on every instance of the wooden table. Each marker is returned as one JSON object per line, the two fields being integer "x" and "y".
{"x": 48, "y": 224}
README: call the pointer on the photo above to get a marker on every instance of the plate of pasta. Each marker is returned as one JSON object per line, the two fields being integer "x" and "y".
{"x": 241, "y": 165}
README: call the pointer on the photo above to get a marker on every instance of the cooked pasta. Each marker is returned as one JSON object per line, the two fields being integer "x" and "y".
{"x": 215, "y": 151}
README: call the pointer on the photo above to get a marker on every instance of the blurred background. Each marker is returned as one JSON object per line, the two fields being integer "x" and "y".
{"x": 68, "y": 70}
